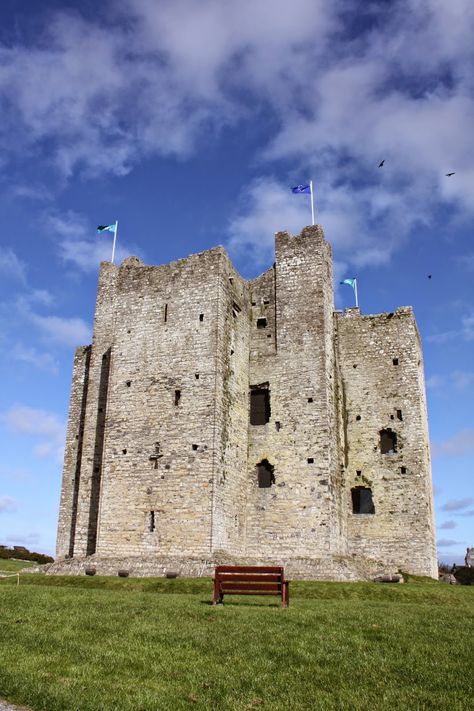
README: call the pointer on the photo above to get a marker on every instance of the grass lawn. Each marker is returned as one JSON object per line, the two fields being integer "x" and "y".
{"x": 7, "y": 565}
{"x": 135, "y": 644}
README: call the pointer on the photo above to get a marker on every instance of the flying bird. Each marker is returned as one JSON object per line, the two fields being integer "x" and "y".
{"x": 448, "y": 175}
{"x": 429, "y": 276}
{"x": 381, "y": 163}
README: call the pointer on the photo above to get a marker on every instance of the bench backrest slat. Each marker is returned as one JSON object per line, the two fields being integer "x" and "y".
{"x": 248, "y": 569}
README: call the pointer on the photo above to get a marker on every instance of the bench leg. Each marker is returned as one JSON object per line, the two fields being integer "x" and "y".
{"x": 217, "y": 597}
{"x": 285, "y": 596}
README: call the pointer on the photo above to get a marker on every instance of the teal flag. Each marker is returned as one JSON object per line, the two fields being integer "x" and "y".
{"x": 349, "y": 282}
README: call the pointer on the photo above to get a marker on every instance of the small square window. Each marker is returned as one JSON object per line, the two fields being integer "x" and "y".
{"x": 261, "y": 323}
{"x": 310, "y": 399}
{"x": 310, "y": 460}
{"x": 395, "y": 361}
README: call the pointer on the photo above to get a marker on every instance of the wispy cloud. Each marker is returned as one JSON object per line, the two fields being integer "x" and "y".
{"x": 447, "y": 542}
{"x": 11, "y": 267}
{"x": 79, "y": 244}
{"x": 7, "y": 504}
{"x": 41, "y": 424}
{"x": 459, "y": 379}
{"x": 457, "y": 504}
{"x": 456, "y": 446}
{"x": 465, "y": 331}
{"x": 447, "y": 525}
{"x": 22, "y": 539}
{"x": 31, "y": 356}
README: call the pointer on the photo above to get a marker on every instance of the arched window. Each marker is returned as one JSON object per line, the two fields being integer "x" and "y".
{"x": 265, "y": 475}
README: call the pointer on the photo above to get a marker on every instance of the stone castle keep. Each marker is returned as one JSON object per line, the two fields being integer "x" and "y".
{"x": 215, "y": 419}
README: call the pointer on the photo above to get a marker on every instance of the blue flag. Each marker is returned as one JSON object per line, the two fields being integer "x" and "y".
{"x": 349, "y": 282}
{"x": 301, "y": 189}
{"x": 106, "y": 228}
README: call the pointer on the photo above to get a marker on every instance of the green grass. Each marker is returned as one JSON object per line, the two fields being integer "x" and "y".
{"x": 148, "y": 644}
{"x": 7, "y": 565}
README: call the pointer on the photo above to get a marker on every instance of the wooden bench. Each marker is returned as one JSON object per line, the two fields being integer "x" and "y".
{"x": 250, "y": 580}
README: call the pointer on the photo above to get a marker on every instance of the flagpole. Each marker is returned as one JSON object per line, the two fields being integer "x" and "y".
{"x": 356, "y": 295}
{"x": 115, "y": 239}
{"x": 312, "y": 203}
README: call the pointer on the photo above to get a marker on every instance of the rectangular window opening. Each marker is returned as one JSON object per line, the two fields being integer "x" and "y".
{"x": 399, "y": 415}
{"x": 165, "y": 315}
{"x": 362, "y": 502}
{"x": 259, "y": 406}
{"x": 395, "y": 361}
{"x": 261, "y": 322}
{"x": 177, "y": 397}
{"x": 201, "y": 317}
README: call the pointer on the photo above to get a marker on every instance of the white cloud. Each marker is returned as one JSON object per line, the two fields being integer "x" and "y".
{"x": 76, "y": 246}
{"x": 11, "y": 266}
{"x": 456, "y": 446}
{"x": 7, "y": 504}
{"x": 65, "y": 331}
{"x": 31, "y": 356}
{"x": 342, "y": 95}
{"x": 39, "y": 423}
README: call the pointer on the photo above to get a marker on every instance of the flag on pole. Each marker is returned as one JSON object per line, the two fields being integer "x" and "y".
{"x": 306, "y": 190}
{"x": 298, "y": 189}
{"x": 110, "y": 228}
{"x": 106, "y": 228}
{"x": 349, "y": 282}
{"x": 353, "y": 283}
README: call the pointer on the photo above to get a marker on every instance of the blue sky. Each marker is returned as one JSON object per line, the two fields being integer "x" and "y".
{"x": 188, "y": 122}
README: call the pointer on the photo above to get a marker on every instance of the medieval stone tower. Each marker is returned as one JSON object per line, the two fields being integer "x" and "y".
{"x": 219, "y": 419}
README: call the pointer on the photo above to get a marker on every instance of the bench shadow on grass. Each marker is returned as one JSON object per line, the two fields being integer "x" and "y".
{"x": 241, "y": 603}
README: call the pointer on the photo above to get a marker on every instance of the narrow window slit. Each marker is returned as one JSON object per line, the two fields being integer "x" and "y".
{"x": 151, "y": 522}
{"x": 177, "y": 397}
{"x": 165, "y": 315}
{"x": 201, "y": 317}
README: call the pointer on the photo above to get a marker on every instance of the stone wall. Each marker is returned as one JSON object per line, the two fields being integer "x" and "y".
{"x": 161, "y": 454}
{"x": 381, "y": 374}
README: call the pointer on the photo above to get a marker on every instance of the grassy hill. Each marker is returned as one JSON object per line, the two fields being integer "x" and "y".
{"x": 12, "y": 566}
{"x": 148, "y": 644}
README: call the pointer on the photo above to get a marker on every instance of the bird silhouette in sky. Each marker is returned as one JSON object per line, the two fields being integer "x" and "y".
{"x": 381, "y": 163}
{"x": 429, "y": 276}
{"x": 448, "y": 175}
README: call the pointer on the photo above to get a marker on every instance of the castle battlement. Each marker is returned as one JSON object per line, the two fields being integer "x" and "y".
{"x": 215, "y": 418}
